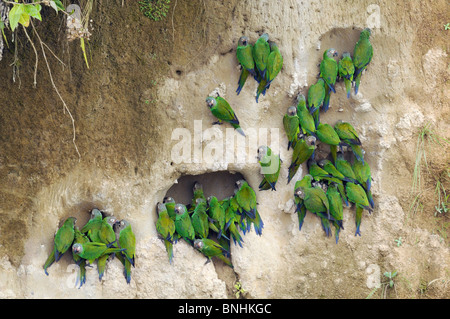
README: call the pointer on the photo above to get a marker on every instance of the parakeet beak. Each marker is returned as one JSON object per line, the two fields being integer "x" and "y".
{"x": 335, "y": 53}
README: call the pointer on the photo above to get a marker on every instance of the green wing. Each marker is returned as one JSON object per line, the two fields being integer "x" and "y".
{"x": 274, "y": 63}
{"x": 244, "y": 55}
{"x": 224, "y": 112}
{"x": 326, "y": 134}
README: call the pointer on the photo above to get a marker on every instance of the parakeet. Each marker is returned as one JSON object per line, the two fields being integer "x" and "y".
{"x": 183, "y": 223}
{"x": 197, "y": 190}
{"x": 200, "y": 219}
{"x": 299, "y": 206}
{"x": 80, "y": 238}
{"x": 246, "y": 198}
{"x": 244, "y": 54}
{"x": 231, "y": 220}
{"x": 306, "y": 120}
{"x": 328, "y": 72}
{"x": 362, "y": 55}
{"x": 107, "y": 236}
{"x": 274, "y": 63}
{"x": 349, "y": 136}
{"x": 93, "y": 250}
{"x": 261, "y": 51}
{"x": 303, "y": 150}
{"x": 345, "y": 168}
{"x": 328, "y": 166}
{"x": 319, "y": 173}
{"x": 106, "y": 233}
{"x": 364, "y": 177}
{"x": 357, "y": 195}
{"x": 336, "y": 208}
{"x": 222, "y": 110}
{"x": 291, "y": 124}
{"x": 217, "y": 215}
{"x": 346, "y": 71}
{"x": 270, "y": 167}
{"x": 170, "y": 206}
{"x": 166, "y": 228}
{"x": 316, "y": 202}
{"x": 326, "y": 134}
{"x": 210, "y": 248}
{"x": 316, "y": 96}
{"x": 127, "y": 240}
{"x": 62, "y": 241}
{"x": 92, "y": 227}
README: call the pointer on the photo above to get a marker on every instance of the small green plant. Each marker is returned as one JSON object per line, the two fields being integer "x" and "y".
{"x": 398, "y": 241}
{"x": 155, "y": 9}
{"x": 239, "y": 289}
{"x": 385, "y": 285}
{"x": 441, "y": 193}
{"x": 447, "y": 26}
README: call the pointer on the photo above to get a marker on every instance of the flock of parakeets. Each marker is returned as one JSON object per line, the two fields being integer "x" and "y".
{"x": 330, "y": 184}
{"x": 263, "y": 61}
{"x": 100, "y": 238}
{"x": 208, "y": 224}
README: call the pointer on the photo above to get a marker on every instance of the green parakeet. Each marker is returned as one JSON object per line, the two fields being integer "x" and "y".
{"x": 261, "y": 51}
{"x": 291, "y": 124}
{"x": 166, "y": 228}
{"x": 183, "y": 223}
{"x": 107, "y": 236}
{"x": 316, "y": 202}
{"x": 80, "y": 238}
{"x": 364, "y": 177}
{"x": 106, "y": 233}
{"x": 328, "y": 166}
{"x": 217, "y": 215}
{"x": 93, "y": 250}
{"x": 328, "y": 72}
{"x": 300, "y": 208}
{"x": 346, "y": 71}
{"x": 326, "y": 134}
{"x": 170, "y": 206}
{"x": 92, "y": 227}
{"x": 197, "y": 190}
{"x": 344, "y": 167}
{"x": 306, "y": 120}
{"x": 270, "y": 168}
{"x": 62, "y": 241}
{"x": 356, "y": 194}
{"x": 244, "y": 54}
{"x": 316, "y": 96}
{"x": 303, "y": 150}
{"x": 200, "y": 219}
{"x": 362, "y": 55}
{"x": 319, "y": 173}
{"x": 222, "y": 110}
{"x": 246, "y": 198}
{"x": 210, "y": 248}
{"x": 274, "y": 63}
{"x": 127, "y": 240}
{"x": 231, "y": 220}
{"x": 349, "y": 136}
{"x": 336, "y": 208}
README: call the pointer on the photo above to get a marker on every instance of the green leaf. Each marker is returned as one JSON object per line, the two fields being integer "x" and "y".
{"x": 34, "y": 11}
{"x": 14, "y": 15}
{"x": 59, "y": 5}
{"x": 24, "y": 19}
